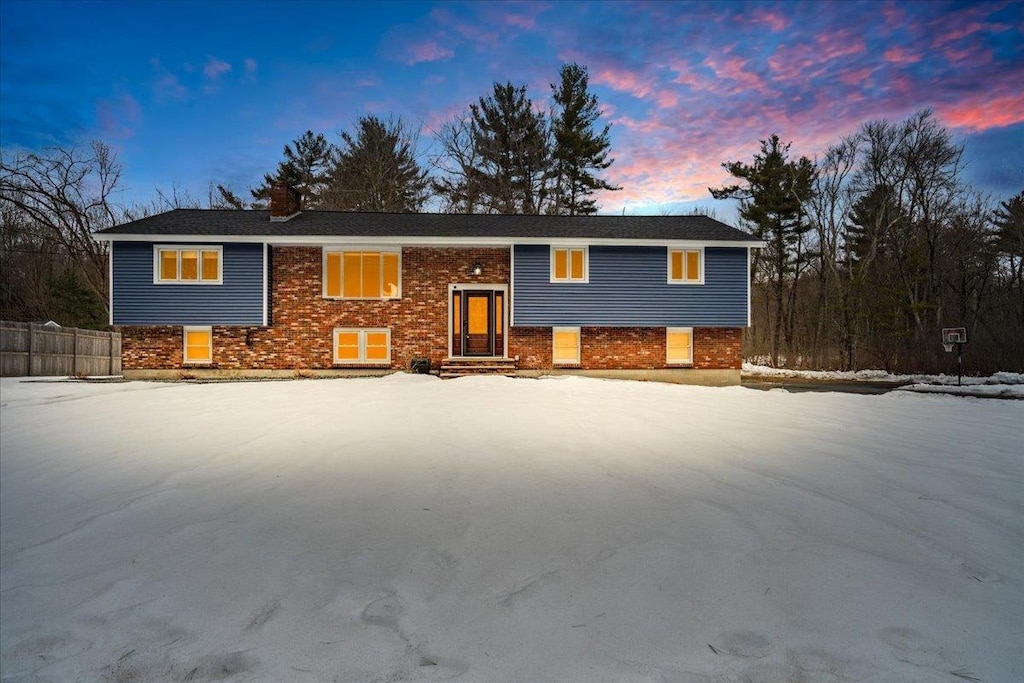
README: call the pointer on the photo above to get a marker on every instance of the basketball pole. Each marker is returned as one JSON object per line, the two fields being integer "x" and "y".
{"x": 959, "y": 363}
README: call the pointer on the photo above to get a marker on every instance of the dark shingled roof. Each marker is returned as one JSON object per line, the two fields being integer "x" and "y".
{"x": 229, "y": 223}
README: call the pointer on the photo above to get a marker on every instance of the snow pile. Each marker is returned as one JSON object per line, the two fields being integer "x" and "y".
{"x": 1001, "y": 384}
{"x": 493, "y": 529}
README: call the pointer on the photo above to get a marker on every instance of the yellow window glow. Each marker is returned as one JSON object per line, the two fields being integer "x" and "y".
{"x": 390, "y": 275}
{"x": 577, "y": 264}
{"x": 677, "y": 265}
{"x": 197, "y": 346}
{"x": 693, "y": 265}
{"x": 376, "y": 346}
{"x": 566, "y": 346}
{"x": 168, "y": 264}
{"x": 190, "y": 265}
{"x": 353, "y": 274}
{"x": 348, "y": 346}
{"x": 371, "y": 274}
{"x": 498, "y": 310}
{"x": 678, "y": 347}
{"x": 457, "y": 313}
{"x": 477, "y": 314}
{"x": 561, "y": 264}
{"x": 210, "y": 265}
{"x": 333, "y": 274}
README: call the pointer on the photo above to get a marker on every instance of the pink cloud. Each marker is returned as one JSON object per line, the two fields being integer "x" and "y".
{"x": 166, "y": 86}
{"x": 117, "y": 118}
{"x": 622, "y": 80}
{"x": 666, "y": 99}
{"x": 250, "y": 68}
{"x": 900, "y": 55}
{"x": 856, "y": 77}
{"x": 775, "y": 21}
{"x": 984, "y": 112}
{"x": 427, "y": 51}
{"x": 215, "y": 68}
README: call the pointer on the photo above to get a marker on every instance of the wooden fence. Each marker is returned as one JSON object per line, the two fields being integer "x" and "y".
{"x": 27, "y": 349}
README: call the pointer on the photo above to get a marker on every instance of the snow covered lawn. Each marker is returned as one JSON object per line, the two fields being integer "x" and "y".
{"x": 492, "y": 529}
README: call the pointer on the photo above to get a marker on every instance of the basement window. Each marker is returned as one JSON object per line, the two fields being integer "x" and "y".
{"x": 198, "y": 345}
{"x": 362, "y": 346}
{"x": 679, "y": 346}
{"x": 565, "y": 342}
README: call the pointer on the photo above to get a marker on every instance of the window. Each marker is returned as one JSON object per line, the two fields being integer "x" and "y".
{"x": 199, "y": 265}
{"x": 362, "y": 275}
{"x": 566, "y": 345}
{"x": 362, "y": 345}
{"x": 679, "y": 346}
{"x": 569, "y": 264}
{"x": 198, "y": 343}
{"x": 685, "y": 266}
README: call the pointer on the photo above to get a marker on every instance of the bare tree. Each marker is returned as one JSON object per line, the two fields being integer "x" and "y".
{"x": 68, "y": 194}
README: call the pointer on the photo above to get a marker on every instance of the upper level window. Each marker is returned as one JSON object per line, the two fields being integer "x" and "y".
{"x": 362, "y": 274}
{"x": 686, "y": 266}
{"x": 569, "y": 264}
{"x": 200, "y": 265}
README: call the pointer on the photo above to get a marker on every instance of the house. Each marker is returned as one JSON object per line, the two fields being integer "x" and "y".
{"x": 265, "y": 292}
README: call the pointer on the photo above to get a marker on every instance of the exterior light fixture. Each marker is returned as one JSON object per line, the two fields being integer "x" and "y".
{"x": 477, "y": 269}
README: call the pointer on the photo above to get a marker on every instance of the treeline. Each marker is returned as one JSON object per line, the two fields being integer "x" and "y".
{"x": 876, "y": 246}
{"x": 503, "y": 154}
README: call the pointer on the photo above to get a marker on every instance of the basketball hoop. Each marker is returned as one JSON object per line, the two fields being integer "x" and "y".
{"x": 948, "y": 347}
{"x": 956, "y": 336}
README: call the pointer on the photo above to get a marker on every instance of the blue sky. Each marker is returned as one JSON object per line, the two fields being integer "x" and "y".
{"x": 193, "y": 92}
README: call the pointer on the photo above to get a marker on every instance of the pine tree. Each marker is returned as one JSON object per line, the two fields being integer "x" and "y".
{"x": 376, "y": 169}
{"x": 772, "y": 203}
{"x": 306, "y": 167}
{"x": 579, "y": 149}
{"x": 511, "y": 141}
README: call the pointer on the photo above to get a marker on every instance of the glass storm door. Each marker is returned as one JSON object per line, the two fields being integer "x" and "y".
{"x": 478, "y": 323}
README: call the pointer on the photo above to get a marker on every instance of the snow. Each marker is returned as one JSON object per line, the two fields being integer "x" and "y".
{"x": 1001, "y": 384}
{"x": 495, "y": 529}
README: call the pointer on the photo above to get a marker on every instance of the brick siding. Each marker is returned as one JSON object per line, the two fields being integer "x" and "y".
{"x": 300, "y": 335}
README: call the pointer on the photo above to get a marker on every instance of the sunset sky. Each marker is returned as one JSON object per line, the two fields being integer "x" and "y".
{"x": 194, "y": 92}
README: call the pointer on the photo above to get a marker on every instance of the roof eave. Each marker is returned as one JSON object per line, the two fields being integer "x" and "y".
{"x": 422, "y": 240}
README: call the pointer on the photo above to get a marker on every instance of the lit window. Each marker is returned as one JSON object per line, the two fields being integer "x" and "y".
{"x": 569, "y": 264}
{"x": 685, "y": 266}
{"x": 679, "y": 346}
{"x": 198, "y": 343}
{"x": 187, "y": 265}
{"x": 362, "y": 275}
{"x": 566, "y": 345}
{"x": 358, "y": 345}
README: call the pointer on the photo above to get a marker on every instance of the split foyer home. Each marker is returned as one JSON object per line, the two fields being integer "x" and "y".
{"x": 258, "y": 292}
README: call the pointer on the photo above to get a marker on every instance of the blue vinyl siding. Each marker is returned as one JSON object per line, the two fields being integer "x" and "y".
{"x": 628, "y": 288}
{"x": 137, "y": 301}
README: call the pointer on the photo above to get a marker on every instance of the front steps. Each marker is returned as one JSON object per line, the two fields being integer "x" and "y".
{"x": 463, "y": 367}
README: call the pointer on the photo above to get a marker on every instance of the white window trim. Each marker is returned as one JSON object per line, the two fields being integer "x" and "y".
{"x": 360, "y": 249}
{"x": 362, "y": 332}
{"x": 568, "y": 278}
{"x": 184, "y": 344}
{"x": 157, "y": 248}
{"x": 579, "y": 345}
{"x": 679, "y": 363}
{"x": 668, "y": 262}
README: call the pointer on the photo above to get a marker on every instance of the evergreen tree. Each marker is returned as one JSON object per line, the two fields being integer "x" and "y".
{"x": 772, "y": 203}
{"x": 306, "y": 167}
{"x": 579, "y": 150}
{"x": 376, "y": 169}
{"x": 512, "y": 144}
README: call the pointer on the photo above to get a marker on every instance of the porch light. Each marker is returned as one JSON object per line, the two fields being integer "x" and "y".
{"x": 477, "y": 269}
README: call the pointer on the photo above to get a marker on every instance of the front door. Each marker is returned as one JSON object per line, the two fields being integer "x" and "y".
{"x": 478, "y": 323}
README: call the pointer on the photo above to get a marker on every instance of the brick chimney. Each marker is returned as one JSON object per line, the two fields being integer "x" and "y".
{"x": 285, "y": 202}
